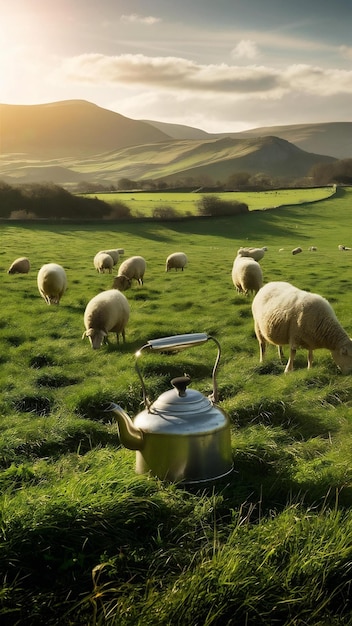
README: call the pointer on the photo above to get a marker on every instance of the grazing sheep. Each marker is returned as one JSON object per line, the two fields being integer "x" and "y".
{"x": 132, "y": 269}
{"x": 177, "y": 260}
{"x": 296, "y": 250}
{"x": 340, "y": 247}
{"x": 247, "y": 275}
{"x": 109, "y": 311}
{"x": 20, "y": 266}
{"x": 255, "y": 253}
{"x": 103, "y": 261}
{"x": 52, "y": 282}
{"x": 312, "y": 248}
{"x": 286, "y": 315}
{"x": 113, "y": 253}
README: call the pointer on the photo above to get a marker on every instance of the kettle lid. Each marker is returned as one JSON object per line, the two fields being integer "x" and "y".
{"x": 181, "y": 411}
{"x": 180, "y": 400}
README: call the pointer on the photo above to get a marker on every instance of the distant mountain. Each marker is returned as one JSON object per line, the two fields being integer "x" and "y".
{"x": 332, "y": 138}
{"x": 68, "y": 129}
{"x": 67, "y": 142}
{"x": 172, "y": 161}
{"x": 180, "y": 131}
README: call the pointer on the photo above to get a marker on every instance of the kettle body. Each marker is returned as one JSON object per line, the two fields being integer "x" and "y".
{"x": 183, "y": 436}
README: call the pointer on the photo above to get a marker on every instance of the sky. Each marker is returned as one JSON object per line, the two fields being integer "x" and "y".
{"x": 217, "y": 65}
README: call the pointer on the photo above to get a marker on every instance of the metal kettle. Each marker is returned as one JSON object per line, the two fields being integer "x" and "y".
{"x": 183, "y": 436}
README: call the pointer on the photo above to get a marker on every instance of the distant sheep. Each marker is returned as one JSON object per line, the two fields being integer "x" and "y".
{"x": 254, "y": 253}
{"x": 286, "y": 315}
{"x": 296, "y": 250}
{"x": 312, "y": 249}
{"x": 103, "y": 261}
{"x": 247, "y": 275}
{"x": 20, "y": 266}
{"x": 340, "y": 247}
{"x": 52, "y": 282}
{"x": 132, "y": 269}
{"x": 177, "y": 261}
{"x": 113, "y": 253}
{"x": 109, "y": 311}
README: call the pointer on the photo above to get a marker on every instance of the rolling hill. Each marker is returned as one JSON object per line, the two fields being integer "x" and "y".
{"x": 332, "y": 138}
{"x": 72, "y": 128}
{"x": 67, "y": 142}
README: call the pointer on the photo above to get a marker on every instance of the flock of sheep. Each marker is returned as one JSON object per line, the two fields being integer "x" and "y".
{"x": 286, "y": 315}
{"x": 282, "y": 313}
{"x": 109, "y": 310}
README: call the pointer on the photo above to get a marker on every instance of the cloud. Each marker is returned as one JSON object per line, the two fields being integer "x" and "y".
{"x": 245, "y": 49}
{"x": 139, "y": 19}
{"x": 179, "y": 74}
{"x": 346, "y": 51}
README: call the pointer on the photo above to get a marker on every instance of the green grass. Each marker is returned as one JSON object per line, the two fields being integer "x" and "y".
{"x": 143, "y": 203}
{"x": 83, "y": 539}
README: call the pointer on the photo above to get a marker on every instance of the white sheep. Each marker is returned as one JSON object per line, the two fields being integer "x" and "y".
{"x": 246, "y": 274}
{"x": 109, "y": 311}
{"x": 113, "y": 253}
{"x": 103, "y": 261}
{"x": 176, "y": 260}
{"x": 52, "y": 282}
{"x": 341, "y": 247}
{"x": 296, "y": 250}
{"x": 132, "y": 269}
{"x": 286, "y": 315}
{"x": 20, "y": 266}
{"x": 312, "y": 248}
{"x": 255, "y": 253}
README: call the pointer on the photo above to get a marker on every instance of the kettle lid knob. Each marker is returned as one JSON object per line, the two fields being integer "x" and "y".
{"x": 180, "y": 383}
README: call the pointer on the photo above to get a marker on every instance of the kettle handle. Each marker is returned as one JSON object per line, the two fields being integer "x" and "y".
{"x": 175, "y": 343}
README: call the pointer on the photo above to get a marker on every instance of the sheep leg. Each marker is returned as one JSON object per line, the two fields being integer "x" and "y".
{"x": 289, "y": 366}
{"x": 310, "y": 358}
{"x": 281, "y": 353}
{"x": 262, "y": 350}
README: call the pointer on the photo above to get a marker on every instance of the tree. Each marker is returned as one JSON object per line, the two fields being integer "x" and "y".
{"x": 127, "y": 184}
{"x": 238, "y": 180}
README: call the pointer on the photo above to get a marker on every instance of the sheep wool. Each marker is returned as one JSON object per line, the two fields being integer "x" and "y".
{"x": 286, "y": 315}
{"x": 177, "y": 261}
{"x": 255, "y": 253}
{"x": 109, "y": 311}
{"x": 52, "y": 282}
{"x": 247, "y": 275}
{"x": 103, "y": 261}
{"x": 20, "y": 266}
{"x": 132, "y": 268}
{"x": 113, "y": 253}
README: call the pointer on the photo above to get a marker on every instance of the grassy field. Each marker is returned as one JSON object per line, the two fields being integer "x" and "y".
{"x": 84, "y": 539}
{"x": 143, "y": 204}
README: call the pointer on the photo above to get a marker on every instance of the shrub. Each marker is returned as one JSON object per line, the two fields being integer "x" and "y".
{"x": 119, "y": 211}
{"x": 164, "y": 213}
{"x": 215, "y": 206}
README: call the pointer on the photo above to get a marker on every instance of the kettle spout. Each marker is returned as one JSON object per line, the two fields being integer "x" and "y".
{"x": 130, "y": 436}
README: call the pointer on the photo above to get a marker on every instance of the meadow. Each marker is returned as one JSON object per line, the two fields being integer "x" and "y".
{"x": 142, "y": 204}
{"x": 84, "y": 540}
